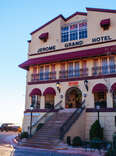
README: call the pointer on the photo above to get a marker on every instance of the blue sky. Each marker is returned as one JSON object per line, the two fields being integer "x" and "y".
{"x": 18, "y": 18}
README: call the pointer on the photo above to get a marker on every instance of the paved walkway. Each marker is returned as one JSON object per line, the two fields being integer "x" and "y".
{"x": 9, "y": 148}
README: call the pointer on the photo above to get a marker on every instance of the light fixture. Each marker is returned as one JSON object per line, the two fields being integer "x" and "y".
{"x": 86, "y": 84}
{"x": 98, "y": 109}
{"x": 58, "y": 86}
{"x": 31, "y": 108}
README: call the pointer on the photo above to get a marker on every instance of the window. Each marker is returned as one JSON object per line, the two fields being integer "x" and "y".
{"x": 100, "y": 99}
{"x": 95, "y": 67}
{"x": 49, "y": 101}
{"x": 115, "y": 120}
{"x": 35, "y": 70}
{"x": 74, "y": 31}
{"x": 70, "y": 70}
{"x": 112, "y": 64}
{"x": 114, "y": 99}
{"x": 77, "y": 69}
{"x": 35, "y": 100}
{"x": 46, "y": 72}
{"x": 63, "y": 72}
{"x": 41, "y": 73}
{"x": 53, "y": 72}
{"x": 84, "y": 68}
{"x": 64, "y": 34}
{"x": 83, "y": 30}
{"x": 104, "y": 66}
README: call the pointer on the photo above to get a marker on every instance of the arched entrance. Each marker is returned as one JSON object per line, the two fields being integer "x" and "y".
{"x": 73, "y": 98}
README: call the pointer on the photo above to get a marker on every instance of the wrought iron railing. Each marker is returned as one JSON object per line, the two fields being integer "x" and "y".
{"x": 68, "y": 123}
{"x": 43, "y": 76}
{"x": 67, "y": 74}
{"x": 104, "y": 70}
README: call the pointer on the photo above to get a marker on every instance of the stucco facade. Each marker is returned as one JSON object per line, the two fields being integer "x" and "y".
{"x": 71, "y": 52}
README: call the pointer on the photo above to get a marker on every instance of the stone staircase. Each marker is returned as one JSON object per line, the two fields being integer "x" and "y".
{"x": 48, "y": 136}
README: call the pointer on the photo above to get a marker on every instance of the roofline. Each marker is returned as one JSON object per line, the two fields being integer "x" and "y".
{"x": 101, "y": 10}
{"x": 59, "y": 16}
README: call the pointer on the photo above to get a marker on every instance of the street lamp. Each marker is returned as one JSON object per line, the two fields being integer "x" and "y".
{"x": 86, "y": 84}
{"x": 58, "y": 86}
{"x": 31, "y": 108}
{"x": 98, "y": 108}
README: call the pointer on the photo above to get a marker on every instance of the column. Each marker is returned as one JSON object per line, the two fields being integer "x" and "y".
{"x": 109, "y": 100}
{"x": 42, "y": 103}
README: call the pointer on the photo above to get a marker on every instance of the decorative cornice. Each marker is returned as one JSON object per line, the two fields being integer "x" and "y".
{"x": 101, "y": 10}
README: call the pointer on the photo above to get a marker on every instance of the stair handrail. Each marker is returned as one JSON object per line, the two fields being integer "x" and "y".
{"x": 46, "y": 116}
{"x": 68, "y": 123}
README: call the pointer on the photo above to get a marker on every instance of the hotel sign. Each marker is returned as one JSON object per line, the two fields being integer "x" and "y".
{"x": 101, "y": 39}
{"x": 46, "y": 49}
{"x": 72, "y": 44}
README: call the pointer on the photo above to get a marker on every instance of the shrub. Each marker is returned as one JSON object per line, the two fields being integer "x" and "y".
{"x": 24, "y": 135}
{"x": 77, "y": 141}
{"x": 68, "y": 140}
{"x": 96, "y": 131}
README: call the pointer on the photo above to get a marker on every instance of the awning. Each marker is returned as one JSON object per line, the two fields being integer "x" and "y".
{"x": 69, "y": 56}
{"x": 99, "y": 88}
{"x": 105, "y": 22}
{"x": 49, "y": 90}
{"x": 113, "y": 88}
{"x": 44, "y": 36}
{"x": 35, "y": 91}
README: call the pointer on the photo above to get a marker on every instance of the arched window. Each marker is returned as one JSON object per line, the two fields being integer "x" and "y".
{"x": 35, "y": 98}
{"x": 49, "y": 94}
{"x": 113, "y": 90}
{"x": 100, "y": 91}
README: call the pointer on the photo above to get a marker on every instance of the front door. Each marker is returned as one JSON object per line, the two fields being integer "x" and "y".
{"x": 73, "y": 98}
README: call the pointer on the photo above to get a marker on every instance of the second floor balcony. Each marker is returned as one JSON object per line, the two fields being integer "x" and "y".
{"x": 43, "y": 76}
{"x": 104, "y": 70}
{"x": 69, "y": 74}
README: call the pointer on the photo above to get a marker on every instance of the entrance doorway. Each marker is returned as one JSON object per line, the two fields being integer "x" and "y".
{"x": 73, "y": 98}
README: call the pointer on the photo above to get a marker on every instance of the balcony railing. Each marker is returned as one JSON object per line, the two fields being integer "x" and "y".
{"x": 103, "y": 70}
{"x": 67, "y": 74}
{"x": 43, "y": 76}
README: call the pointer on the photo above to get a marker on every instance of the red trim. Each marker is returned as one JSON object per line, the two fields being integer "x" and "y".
{"x": 76, "y": 13}
{"x": 101, "y": 10}
{"x": 69, "y": 56}
{"x": 99, "y": 88}
{"x": 44, "y": 36}
{"x": 105, "y": 22}
{"x": 35, "y": 91}
{"x": 91, "y": 110}
{"x": 74, "y": 79}
{"x": 113, "y": 88}
{"x": 91, "y": 44}
{"x": 49, "y": 90}
{"x": 60, "y": 16}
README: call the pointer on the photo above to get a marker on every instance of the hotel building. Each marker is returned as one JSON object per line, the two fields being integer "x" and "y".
{"x": 71, "y": 62}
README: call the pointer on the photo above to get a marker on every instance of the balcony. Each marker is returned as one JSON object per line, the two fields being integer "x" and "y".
{"x": 73, "y": 73}
{"x": 103, "y": 70}
{"x": 43, "y": 76}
